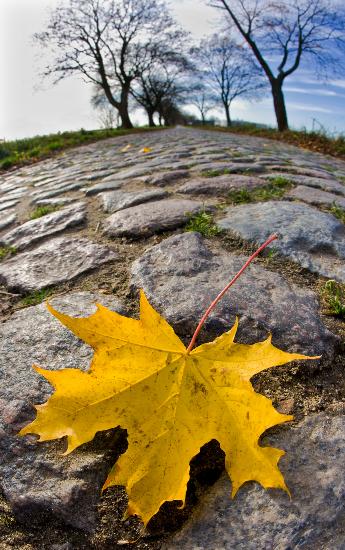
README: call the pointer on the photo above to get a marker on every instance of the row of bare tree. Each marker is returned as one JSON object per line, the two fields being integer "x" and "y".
{"x": 134, "y": 51}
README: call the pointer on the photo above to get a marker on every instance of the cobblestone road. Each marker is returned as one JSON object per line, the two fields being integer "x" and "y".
{"x": 114, "y": 220}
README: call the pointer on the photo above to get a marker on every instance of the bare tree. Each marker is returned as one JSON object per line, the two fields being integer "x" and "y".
{"x": 171, "y": 112}
{"x": 228, "y": 70}
{"x": 151, "y": 90}
{"x": 203, "y": 98}
{"x": 109, "y": 42}
{"x": 160, "y": 82}
{"x": 289, "y": 30}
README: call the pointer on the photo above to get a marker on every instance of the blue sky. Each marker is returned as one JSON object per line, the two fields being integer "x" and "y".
{"x": 29, "y": 107}
{"x": 309, "y": 102}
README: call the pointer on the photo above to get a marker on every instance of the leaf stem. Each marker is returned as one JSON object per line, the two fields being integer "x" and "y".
{"x": 221, "y": 294}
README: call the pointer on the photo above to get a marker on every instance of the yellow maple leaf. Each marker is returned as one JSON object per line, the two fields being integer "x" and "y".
{"x": 171, "y": 401}
{"x": 146, "y": 150}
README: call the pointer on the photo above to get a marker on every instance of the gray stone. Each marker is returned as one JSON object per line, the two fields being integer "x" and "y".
{"x": 117, "y": 200}
{"x": 35, "y": 478}
{"x": 5, "y": 222}
{"x": 332, "y": 186}
{"x": 257, "y": 519}
{"x": 313, "y": 239}
{"x": 220, "y": 184}
{"x": 231, "y": 168}
{"x": 15, "y": 194}
{"x": 180, "y": 276}
{"x": 55, "y": 191}
{"x": 55, "y": 261}
{"x": 165, "y": 178}
{"x": 211, "y": 157}
{"x": 5, "y": 205}
{"x": 55, "y": 202}
{"x": 315, "y": 196}
{"x": 96, "y": 175}
{"x": 34, "y": 230}
{"x": 140, "y": 169}
{"x": 103, "y": 186}
{"x": 303, "y": 171}
{"x": 154, "y": 217}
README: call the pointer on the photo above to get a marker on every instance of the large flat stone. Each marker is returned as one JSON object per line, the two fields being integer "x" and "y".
{"x": 257, "y": 519}
{"x": 55, "y": 201}
{"x": 154, "y": 217}
{"x": 103, "y": 186}
{"x": 330, "y": 185}
{"x": 303, "y": 171}
{"x": 55, "y": 191}
{"x": 165, "y": 178}
{"x": 8, "y": 220}
{"x": 180, "y": 276}
{"x": 117, "y": 200}
{"x": 35, "y": 478}
{"x": 34, "y": 230}
{"x": 230, "y": 167}
{"x": 314, "y": 239}
{"x": 56, "y": 261}
{"x": 315, "y": 196}
{"x": 139, "y": 169}
{"x": 220, "y": 184}
{"x": 7, "y": 204}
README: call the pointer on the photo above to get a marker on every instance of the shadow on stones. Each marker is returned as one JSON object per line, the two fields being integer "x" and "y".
{"x": 205, "y": 469}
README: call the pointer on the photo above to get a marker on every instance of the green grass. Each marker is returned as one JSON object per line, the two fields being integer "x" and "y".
{"x": 334, "y": 294}
{"x": 29, "y": 150}
{"x": 43, "y": 210}
{"x": 203, "y": 223}
{"x": 36, "y": 297}
{"x": 319, "y": 141}
{"x": 214, "y": 173}
{"x": 275, "y": 189}
{"x": 338, "y": 212}
{"x": 328, "y": 167}
{"x": 271, "y": 253}
{"x": 6, "y": 251}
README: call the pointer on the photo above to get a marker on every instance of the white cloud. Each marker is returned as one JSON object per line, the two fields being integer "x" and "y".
{"x": 311, "y": 91}
{"x": 337, "y": 83}
{"x": 309, "y": 108}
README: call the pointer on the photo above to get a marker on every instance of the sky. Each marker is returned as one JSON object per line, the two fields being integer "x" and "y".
{"x": 30, "y": 106}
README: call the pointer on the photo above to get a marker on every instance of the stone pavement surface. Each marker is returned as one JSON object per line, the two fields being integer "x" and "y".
{"x": 117, "y": 223}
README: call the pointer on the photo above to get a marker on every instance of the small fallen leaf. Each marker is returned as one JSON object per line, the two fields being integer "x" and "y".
{"x": 126, "y": 147}
{"x": 146, "y": 150}
{"x": 172, "y": 400}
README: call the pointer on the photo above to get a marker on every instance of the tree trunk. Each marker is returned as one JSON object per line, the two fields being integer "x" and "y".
{"x": 279, "y": 106}
{"x": 125, "y": 120}
{"x": 227, "y": 113}
{"x": 123, "y": 108}
{"x": 150, "y": 117}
